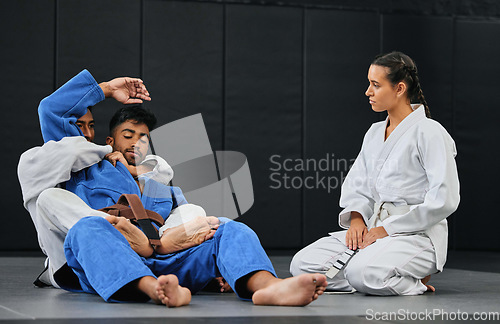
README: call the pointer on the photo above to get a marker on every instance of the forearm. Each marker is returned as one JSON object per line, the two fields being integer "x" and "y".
{"x": 355, "y": 216}
{"x": 355, "y": 212}
{"x": 187, "y": 235}
{"x": 174, "y": 240}
{"x": 420, "y": 218}
{"x": 106, "y": 89}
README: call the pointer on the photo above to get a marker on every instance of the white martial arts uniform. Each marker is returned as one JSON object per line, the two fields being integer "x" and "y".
{"x": 409, "y": 185}
{"x": 54, "y": 211}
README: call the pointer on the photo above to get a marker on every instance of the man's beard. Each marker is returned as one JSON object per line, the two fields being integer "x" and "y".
{"x": 133, "y": 160}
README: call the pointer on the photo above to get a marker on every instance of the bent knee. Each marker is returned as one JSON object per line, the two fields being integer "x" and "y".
{"x": 235, "y": 225}
{"x": 234, "y": 228}
{"x": 90, "y": 225}
{"x": 305, "y": 261}
{"x": 48, "y": 197}
{"x": 370, "y": 279}
{"x": 297, "y": 266}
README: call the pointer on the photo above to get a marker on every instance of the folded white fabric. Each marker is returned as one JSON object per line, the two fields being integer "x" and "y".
{"x": 182, "y": 214}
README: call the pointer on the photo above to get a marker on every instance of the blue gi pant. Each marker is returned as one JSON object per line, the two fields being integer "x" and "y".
{"x": 104, "y": 262}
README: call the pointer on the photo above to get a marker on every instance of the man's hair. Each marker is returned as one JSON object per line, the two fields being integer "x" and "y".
{"x": 136, "y": 113}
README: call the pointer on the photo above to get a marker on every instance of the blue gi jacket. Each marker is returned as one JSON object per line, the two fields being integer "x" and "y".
{"x": 101, "y": 184}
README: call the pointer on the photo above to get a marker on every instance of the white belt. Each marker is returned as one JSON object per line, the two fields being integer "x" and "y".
{"x": 381, "y": 211}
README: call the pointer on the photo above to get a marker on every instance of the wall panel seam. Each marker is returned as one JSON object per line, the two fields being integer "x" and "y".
{"x": 304, "y": 119}
{"x": 453, "y": 103}
{"x": 56, "y": 43}
{"x": 141, "y": 38}
{"x": 223, "y": 79}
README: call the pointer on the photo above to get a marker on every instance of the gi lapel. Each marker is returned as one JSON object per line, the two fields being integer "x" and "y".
{"x": 417, "y": 115}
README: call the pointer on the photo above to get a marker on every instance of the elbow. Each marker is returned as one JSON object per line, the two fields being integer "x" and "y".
{"x": 43, "y": 107}
{"x": 453, "y": 203}
{"x": 45, "y": 118}
{"x": 445, "y": 199}
{"x": 452, "y": 199}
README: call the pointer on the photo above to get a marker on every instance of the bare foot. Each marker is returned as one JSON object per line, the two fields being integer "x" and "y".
{"x": 294, "y": 291}
{"x": 169, "y": 293}
{"x": 429, "y": 287}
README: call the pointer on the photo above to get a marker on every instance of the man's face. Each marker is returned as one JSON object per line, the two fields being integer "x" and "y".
{"x": 131, "y": 139}
{"x": 86, "y": 124}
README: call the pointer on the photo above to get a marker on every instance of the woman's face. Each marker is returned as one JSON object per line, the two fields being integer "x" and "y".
{"x": 381, "y": 93}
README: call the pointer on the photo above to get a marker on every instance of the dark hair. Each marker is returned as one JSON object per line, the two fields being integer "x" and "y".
{"x": 403, "y": 68}
{"x": 132, "y": 112}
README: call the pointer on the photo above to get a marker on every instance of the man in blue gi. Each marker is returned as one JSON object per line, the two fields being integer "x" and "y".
{"x": 230, "y": 249}
{"x": 64, "y": 118}
{"x": 97, "y": 249}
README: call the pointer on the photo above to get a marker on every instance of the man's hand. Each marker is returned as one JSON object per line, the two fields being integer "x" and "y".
{"x": 187, "y": 235}
{"x": 114, "y": 157}
{"x": 135, "y": 171}
{"x": 356, "y": 232}
{"x": 125, "y": 90}
{"x": 137, "y": 239}
{"x": 373, "y": 235}
{"x": 223, "y": 285}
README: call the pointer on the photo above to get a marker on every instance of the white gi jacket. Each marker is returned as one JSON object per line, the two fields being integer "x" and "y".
{"x": 415, "y": 167}
{"x": 47, "y": 166}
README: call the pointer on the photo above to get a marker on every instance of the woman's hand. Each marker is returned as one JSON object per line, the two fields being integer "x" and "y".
{"x": 373, "y": 235}
{"x": 356, "y": 232}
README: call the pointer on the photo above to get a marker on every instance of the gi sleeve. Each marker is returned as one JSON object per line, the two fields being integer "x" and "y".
{"x": 162, "y": 172}
{"x": 437, "y": 153}
{"x": 47, "y": 166}
{"x": 59, "y": 112}
{"x": 355, "y": 193}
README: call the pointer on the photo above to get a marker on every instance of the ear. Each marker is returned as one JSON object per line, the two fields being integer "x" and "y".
{"x": 110, "y": 140}
{"x": 401, "y": 89}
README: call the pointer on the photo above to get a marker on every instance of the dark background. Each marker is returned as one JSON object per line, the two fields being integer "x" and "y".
{"x": 271, "y": 78}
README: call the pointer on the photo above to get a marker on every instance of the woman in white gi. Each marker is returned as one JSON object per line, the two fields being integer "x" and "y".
{"x": 397, "y": 195}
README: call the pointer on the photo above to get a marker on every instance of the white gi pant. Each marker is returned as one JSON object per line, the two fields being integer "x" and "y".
{"x": 392, "y": 265}
{"x": 57, "y": 211}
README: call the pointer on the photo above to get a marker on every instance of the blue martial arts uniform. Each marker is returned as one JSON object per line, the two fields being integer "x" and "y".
{"x": 59, "y": 112}
{"x": 101, "y": 184}
{"x": 99, "y": 254}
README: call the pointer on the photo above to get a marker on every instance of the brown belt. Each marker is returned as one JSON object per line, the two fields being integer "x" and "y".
{"x": 130, "y": 207}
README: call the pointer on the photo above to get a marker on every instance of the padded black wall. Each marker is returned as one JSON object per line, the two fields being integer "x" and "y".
{"x": 477, "y": 133}
{"x": 28, "y": 70}
{"x": 278, "y": 83}
{"x": 339, "y": 48}
{"x": 263, "y": 89}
